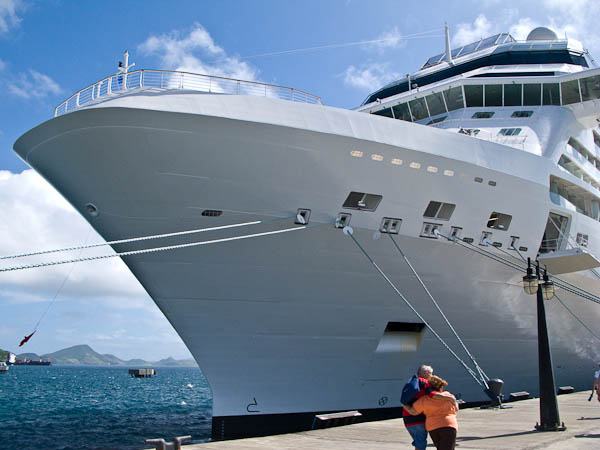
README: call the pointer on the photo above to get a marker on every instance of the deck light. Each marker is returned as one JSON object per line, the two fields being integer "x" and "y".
{"x": 547, "y": 287}
{"x": 530, "y": 281}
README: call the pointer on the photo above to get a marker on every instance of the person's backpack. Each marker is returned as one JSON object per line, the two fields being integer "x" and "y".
{"x": 410, "y": 390}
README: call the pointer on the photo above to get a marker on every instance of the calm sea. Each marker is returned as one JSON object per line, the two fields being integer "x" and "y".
{"x": 66, "y": 407}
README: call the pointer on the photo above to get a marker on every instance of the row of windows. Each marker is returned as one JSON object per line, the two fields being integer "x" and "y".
{"x": 443, "y": 211}
{"x": 468, "y": 96}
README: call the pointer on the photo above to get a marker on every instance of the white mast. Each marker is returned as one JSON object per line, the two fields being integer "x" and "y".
{"x": 124, "y": 68}
{"x": 448, "y": 49}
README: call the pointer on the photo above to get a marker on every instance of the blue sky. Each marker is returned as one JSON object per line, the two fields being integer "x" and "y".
{"x": 50, "y": 49}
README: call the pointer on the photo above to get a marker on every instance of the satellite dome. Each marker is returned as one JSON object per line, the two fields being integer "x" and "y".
{"x": 542, "y": 34}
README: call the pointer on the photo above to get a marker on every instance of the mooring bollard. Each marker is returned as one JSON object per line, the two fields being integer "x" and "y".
{"x": 161, "y": 444}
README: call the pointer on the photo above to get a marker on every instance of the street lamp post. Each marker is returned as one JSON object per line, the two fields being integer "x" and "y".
{"x": 544, "y": 289}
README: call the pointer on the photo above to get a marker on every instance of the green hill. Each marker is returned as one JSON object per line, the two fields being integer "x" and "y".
{"x": 86, "y": 355}
{"x": 82, "y": 354}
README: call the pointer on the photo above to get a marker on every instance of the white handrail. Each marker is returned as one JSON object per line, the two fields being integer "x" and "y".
{"x": 115, "y": 85}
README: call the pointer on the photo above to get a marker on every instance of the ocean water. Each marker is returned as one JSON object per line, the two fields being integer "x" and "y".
{"x": 63, "y": 407}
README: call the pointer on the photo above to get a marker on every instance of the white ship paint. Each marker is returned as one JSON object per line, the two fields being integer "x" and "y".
{"x": 287, "y": 325}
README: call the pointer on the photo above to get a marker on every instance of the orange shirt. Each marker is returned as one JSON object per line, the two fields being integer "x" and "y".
{"x": 439, "y": 413}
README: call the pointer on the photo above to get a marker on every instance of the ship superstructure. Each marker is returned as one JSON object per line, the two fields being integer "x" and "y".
{"x": 497, "y": 145}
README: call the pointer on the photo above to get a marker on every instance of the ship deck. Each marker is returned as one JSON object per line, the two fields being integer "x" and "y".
{"x": 478, "y": 429}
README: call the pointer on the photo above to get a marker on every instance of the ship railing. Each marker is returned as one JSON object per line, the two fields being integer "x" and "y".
{"x": 123, "y": 83}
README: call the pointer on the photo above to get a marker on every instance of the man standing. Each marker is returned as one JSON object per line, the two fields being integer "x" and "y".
{"x": 415, "y": 425}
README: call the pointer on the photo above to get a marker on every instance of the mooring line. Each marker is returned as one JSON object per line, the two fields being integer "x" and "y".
{"x": 152, "y": 250}
{"x": 482, "y": 374}
{"x": 349, "y": 232}
{"x": 143, "y": 238}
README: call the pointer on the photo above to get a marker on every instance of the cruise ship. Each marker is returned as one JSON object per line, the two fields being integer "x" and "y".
{"x": 293, "y": 293}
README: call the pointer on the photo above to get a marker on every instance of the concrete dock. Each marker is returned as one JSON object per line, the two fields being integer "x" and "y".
{"x": 478, "y": 429}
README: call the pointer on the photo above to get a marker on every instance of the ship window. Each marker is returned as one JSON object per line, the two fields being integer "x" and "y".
{"x": 437, "y": 120}
{"x": 493, "y": 95}
{"x": 482, "y": 115}
{"x": 435, "y": 102}
{"x": 474, "y": 95}
{"x": 362, "y": 201}
{"x": 590, "y": 88}
{"x": 499, "y": 221}
{"x": 512, "y": 94}
{"x": 401, "y": 112}
{"x": 439, "y": 210}
{"x": 551, "y": 95}
{"x": 387, "y": 112}
{"x": 532, "y": 94}
{"x": 454, "y": 98}
{"x": 418, "y": 109}
{"x": 509, "y": 131}
{"x": 522, "y": 114}
{"x": 570, "y": 92}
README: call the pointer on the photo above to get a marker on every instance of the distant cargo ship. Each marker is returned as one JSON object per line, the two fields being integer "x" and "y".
{"x": 13, "y": 361}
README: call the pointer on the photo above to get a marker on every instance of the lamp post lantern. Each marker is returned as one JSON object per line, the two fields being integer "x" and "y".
{"x": 549, "y": 417}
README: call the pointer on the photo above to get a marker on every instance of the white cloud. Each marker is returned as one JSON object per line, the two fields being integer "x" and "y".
{"x": 388, "y": 39}
{"x": 471, "y": 32}
{"x": 34, "y": 85}
{"x": 2, "y": 65}
{"x": 369, "y": 77}
{"x": 522, "y": 28}
{"x": 8, "y": 14}
{"x": 196, "y": 52}
{"x": 572, "y": 18}
{"x": 33, "y": 217}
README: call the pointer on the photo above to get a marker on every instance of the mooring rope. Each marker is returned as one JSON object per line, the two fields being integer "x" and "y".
{"x": 559, "y": 282}
{"x": 575, "y": 316}
{"x": 142, "y": 238}
{"x": 152, "y": 250}
{"x": 348, "y": 231}
{"x": 482, "y": 374}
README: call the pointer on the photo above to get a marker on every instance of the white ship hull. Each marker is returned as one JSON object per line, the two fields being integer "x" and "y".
{"x": 286, "y": 325}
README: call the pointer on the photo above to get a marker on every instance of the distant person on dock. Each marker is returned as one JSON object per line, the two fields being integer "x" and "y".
{"x": 418, "y": 386}
{"x": 596, "y": 387}
{"x": 440, "y": 416}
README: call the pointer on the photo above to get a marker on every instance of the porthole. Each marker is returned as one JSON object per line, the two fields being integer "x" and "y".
{"x": 415, "y": 165}
{"x": 397, "y": 162}
{"x": 449, "y": 173}
{"x": 432, "y": 169}
{"x": 91, "y": 209}
{"x": 376, "y": 157}
{"x": 357, "y": 153}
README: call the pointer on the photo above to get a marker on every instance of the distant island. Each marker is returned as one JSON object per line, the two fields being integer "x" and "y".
{"x": 86, "y": 356}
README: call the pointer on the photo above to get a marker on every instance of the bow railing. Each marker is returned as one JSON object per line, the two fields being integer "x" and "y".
{"x": 123, "y": 83}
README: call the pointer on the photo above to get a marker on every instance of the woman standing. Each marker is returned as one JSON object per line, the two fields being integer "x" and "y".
{"x": 440, "y": 417}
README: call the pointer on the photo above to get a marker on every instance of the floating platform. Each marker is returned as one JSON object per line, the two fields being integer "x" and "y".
{"x": 142, "y": 373}
{"x": 477, "y": 429}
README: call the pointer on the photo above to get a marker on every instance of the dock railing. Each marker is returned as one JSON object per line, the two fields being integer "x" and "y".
{"x": 122, "y": 83}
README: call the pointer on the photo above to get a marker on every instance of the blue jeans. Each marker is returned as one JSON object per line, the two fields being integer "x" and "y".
{"x": 419, "y": 435}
